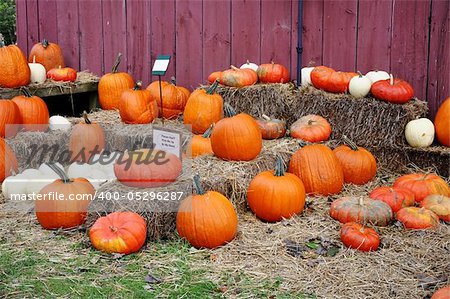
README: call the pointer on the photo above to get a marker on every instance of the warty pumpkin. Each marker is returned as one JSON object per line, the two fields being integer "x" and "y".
{"x": 33, "y": 111}
{"x": 174, "y": 98}
{"x": 311, "y": 128}
{"x": 423, "y": 184}
{"x": 136, "y": 106}
{"x": 417, "y": 218}
{"x": 271, "y": 128}
{"x": 442, "y": 123}
{"x": 48, "y": 54}
{"x": 439, "y": 204}
{"x": 236, "y": 77}
{"x": 355, "y": 235}
{"x": 14, "y": 69}
{"x": 8, "y": 161}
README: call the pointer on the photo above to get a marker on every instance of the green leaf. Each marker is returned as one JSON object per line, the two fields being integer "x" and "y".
{"x": 312, "y": 245}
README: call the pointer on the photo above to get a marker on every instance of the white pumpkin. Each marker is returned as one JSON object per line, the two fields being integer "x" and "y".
{"x": 306, "y": 76}
{"x": 359, "y": 86}
{"x": 48, "y": 171}
{"x": 14, "y": 185}
{"x": 57, "y": 122}
{"x": 375, "y": 76}
{"x": 420, "y": 132}
{"x": 38, "y": 74}
{"x": 34, "y": 185}
{"x": 249, "y": 65}
{"x": 31, "y": 173}
{"x": 79, "y": 170}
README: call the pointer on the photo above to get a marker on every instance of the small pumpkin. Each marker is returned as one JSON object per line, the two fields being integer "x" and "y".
{"x": 235, "y": 77}
{"x": 328, "y": 79}
{"x": 214, "y": 76}
{"x": 442, "y": 123}
{"x": 65, "y": 74}
{"x": 273, "y": 73}
{"x": 359, "y": 86}
{"x": 236, "y": 137}
{"x": 273, "y": 195}
{"x": 358, "y": 164}
{"x": 439, "y": 204}
{"x": 111, "y": 86}
{"x": 271, "y": 128}
{"x": 394, "y": 91}
{"x": 423, "y": 185}
{"x": 48, "y": 54}
{"x": 376, "y": 75}
{"x": 318, "y": 168}
{"x": 14, "y": 69}
{"x": 306, "y": 76}
{"x": 119, "y": 232}
{"x": 249, "y": 65}
{"x": 201, "y": 144}
{"x": 395, "y": 197}
{"x": 136, "y": 106}
{"x": 86, "y": 139}
{"x": 33, "y": 111}
{"x": 356, "y": 236}
{"x": 9, "y": 118}
{"x": 146, "y": 168}
{"x": 69, "y": 212}
{"x": 174, "y": 98}
{"x": 57, "y": 122}
{"x": 417, "y": 218}
{"x": 8, "y": 161}
{"x": 442, "y": 293}
{"x": 311, "y": 128}
{"x": 203, "y": 108}
{"x": 362, "y": 210}
{"x": 38, "y": 74}
{"x": 207, "y": 219}
{"x": 419, "y": 132}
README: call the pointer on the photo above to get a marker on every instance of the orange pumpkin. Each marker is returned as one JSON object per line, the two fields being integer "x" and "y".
{"x": 439, "y": 204}
{"x": 136, "y": 106}
{"x": 236, "y": 137}
{"x": 442, "y": 293}
{"x": 395, "y": 197}
{"x": 271, "y": 128}
{"x": 119, "y": 232}
{"x": 272, "y": 73}
{"x": 328, "y": 79}
{"x": 174, "y": 98}
{"x": 318, "y": 168}
{"x": 33, "y": 111}
{"x": 65, "y": 74}
{"x": 146, "y": 168}
{"x": 8, "y": 161}
{"x": 417, "y": 218}
{"x": 236, "y": 77}
{"x": 359, "y": 164}
{"x": 111, "y": 86}
{"x": 207, "y": 219}
{"x": 214, "y": 76}
{"x": 9, "y": 118}
{"x": 357, "y": 236}
{"x": 71, "y": 211}
{"x": 423, "y": 185}
{"x": 48, "y": 54}
{"x": 201, "y": 144}
{"x": 395, "y": 91}
{"x": 442, "y": 123}
{"x": 203, "y": 108}
{"x": 311, "y": 128}
{"x": 274, "y": 194}
{"x": 14, "y": 69}
{"x": 86, "y": 140}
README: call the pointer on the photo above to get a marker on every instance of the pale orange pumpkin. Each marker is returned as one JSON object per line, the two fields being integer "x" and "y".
{"x": 439, "y": 204}
{"x": 311, "y": 128}
{"x": 86, "y": 140}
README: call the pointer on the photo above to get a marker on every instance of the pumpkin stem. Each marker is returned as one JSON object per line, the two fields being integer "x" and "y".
{"x": 213, "y": 87}
{"x": 44, "y": 43}
{"x": 310, "y": 122}
{"x": 138, "y": 85}
{"x": 350, "y": 143}
{"x": 391, "y": 79}
{"x": 61, "y": 173}
{"x": 279, "y": 166}
{"x": 229, "y": 110}
{"x": 248, "y": 62}
{"x": 113, "y": 228}
{"x": 116, "y": 63}
{"x": 26, "y": 92}
{"x": 208, "y": 132}
{"x": 234, "y": 68}
{"x": 266, "y": 117}
{"x": 34, "y": 58}
{"x": 360, "y": 74}
{"x": 198, "y": 185}
{"x": 173, "y": 80}
{"x": 302, "y": 143}
{"x": 86, "y": 119}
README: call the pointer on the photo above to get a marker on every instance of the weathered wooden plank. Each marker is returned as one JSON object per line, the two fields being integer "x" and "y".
{"x": 138, "y": 40}
{"x": 163, "y": 33}
{"x": 48, "y": 26}
{"x": 91, "y": 50}
{"x": 50, "y": 91}
{"x": 312, "y": 34}
{"x": 276, "y": 32}
{"x": 21, "y": 25}
{"x": 409, "y": 48}
{"x": 294, "y": 38}
{"x": 114, "y": 33}
{"x": 189, "y": 43}
{"x": 68, "y": 33}
{"x": 216, "y": 36}
{"x": 439, "y": 61}
{"x": 374, "y": 35}
{"x": 245, "y": 31}
{"x": 339, "y": 34}
{"x": 32, "y": 22}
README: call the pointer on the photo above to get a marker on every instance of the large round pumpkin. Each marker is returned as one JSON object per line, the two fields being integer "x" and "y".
{"x": 274, "y": 194}
{"x": 442, "y": 293}
{"x": 311, "y": 128}
{"x": 136, "y": 106}
{"x": 417, "y": 218}
{"x": 119, "y": 232}
{"x": 423, "y": 185}
{"x": 236, "y": 137}
{"x": 48, "y": 54}
{"x": 271, "y": 128}
{"x": 9, "y": 118}
{"x": 201, "y": 144}
{"x": 203, "y": 108}
{"x": 14, "y": 69}
{"x": 439, "y": 204}
{"x": 86, "y": 140}
{"x": 395, "y": 91}
{"x": 174, "y": 98}
{"x": 146, "y": 168}
{"x": 207, "y": 219}
{"x": 355, "y": 235}
{"x": 362, "y": 210}
{"x": 71, "y": 210}
{"x": 359, "y": 164}
{"x": 318, "y": 168}
{"x": 236, "y": 77}
{"x": 8, "y": 161}
{"x": 442, "y": 123}
{"x": 395, "y": 197}
{"x": 272, "y": 73}
{"x": 33, "y": 111}
{"x": 111, "y": 86}
{"x": 328, "y": 79}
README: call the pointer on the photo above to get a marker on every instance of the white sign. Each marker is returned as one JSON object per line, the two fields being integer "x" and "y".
{"x": 168, "y": 141}
{"x": 161, "y": 64}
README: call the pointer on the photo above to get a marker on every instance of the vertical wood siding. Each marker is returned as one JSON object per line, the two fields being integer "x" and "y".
{"x": 408, "y": 38}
